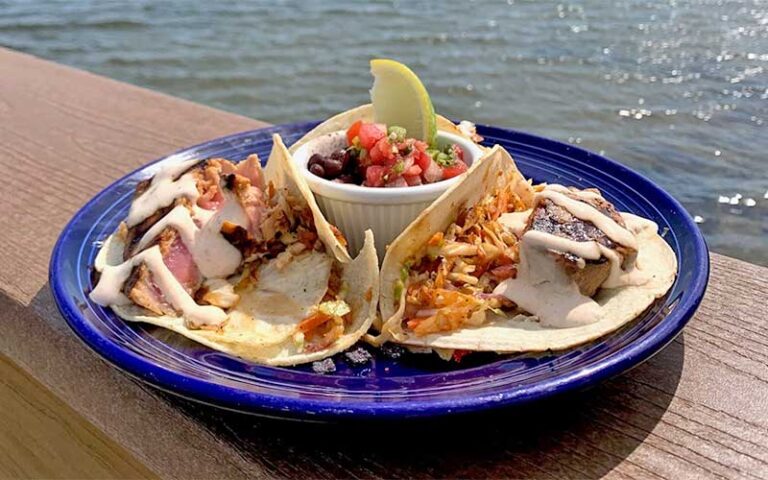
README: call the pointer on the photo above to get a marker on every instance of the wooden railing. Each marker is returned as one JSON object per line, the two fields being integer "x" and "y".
{"x": 697, "y": 409}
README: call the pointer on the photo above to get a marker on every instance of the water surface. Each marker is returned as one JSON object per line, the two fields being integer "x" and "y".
{"x": 678, "y": 90}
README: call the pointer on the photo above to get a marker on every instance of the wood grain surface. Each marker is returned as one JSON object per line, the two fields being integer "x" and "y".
{"x": 41, "y": 437}
{"x": 699, "y": 409}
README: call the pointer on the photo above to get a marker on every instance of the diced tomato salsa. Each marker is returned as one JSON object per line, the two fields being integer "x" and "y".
{"x": 381, "y": 156}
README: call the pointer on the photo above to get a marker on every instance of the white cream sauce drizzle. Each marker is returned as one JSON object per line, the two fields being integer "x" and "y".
{"x": 633, "y": 274}
{"x": 212, "y": 253}
{"x": 542, "y": 288}
{"x": 587, "y": 212}
{"x": 108, "y": 290}
{"x": 556, "y": 187}
{"x": 515, "y": 222}
{"x": 164, "y": 189}
{"x": 199, "y": 230}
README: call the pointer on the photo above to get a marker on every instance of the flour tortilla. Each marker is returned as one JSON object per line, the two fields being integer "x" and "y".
{"x": 261, "y": 326}
{"x": 521, "y": 333}
{"x": 344, "y": 120}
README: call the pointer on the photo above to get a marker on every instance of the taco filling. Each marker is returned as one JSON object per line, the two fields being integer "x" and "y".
{"x": 502, "y": 257}
{"x": 519, "y": 261}
{"x": 450, "y": 284}
{"x": 215, "y": 247}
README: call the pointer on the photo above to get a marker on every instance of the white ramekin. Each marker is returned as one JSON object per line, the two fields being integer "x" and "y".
{"x": 386, "y": 211}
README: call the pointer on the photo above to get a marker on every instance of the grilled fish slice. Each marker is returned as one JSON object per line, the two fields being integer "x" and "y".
{"x": 551, "y": 218}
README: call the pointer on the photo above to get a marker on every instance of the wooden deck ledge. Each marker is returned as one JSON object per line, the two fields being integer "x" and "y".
{"x": 697, "y": 409}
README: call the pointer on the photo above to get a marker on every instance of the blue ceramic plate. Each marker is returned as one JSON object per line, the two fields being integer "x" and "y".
{"x": 410, "y": 386}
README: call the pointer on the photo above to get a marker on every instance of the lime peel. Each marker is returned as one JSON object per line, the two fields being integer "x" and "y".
{"x": 399, "y": 98}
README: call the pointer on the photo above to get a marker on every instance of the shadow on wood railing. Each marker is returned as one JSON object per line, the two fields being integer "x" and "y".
{"x": 608, "y": 421}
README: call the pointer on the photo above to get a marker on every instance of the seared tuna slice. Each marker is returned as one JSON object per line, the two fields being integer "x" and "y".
{"x": 178, "y": 259}
{"x": 141, "y": 287}
{"x": 142, "y": 290}
{"x": 136, "y": 232}
{"x": 244, "y": 179}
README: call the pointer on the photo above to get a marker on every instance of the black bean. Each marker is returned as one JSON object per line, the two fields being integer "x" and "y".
{"x": 342, "y": 156}
{"x": 332, "y": 167}
{"x": 346, "y": 161}
{"x": 324, "y": 366}
{"x": 315, "y": 158}
{"x": 317, "y": 169}
{"x": 346, "y": 178}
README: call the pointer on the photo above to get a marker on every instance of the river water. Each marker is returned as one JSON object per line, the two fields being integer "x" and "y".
{"x": 675, "y": 89}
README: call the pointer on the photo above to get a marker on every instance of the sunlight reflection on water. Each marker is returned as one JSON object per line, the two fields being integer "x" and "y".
{"x": 675, "y": 89}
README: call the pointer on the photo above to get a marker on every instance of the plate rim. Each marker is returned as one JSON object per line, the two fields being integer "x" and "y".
{"x": 233, "y": 398}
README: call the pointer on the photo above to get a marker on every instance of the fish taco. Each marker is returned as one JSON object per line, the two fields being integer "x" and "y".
{"x": 498, "y": 264}
{"x": 239, "y": 259}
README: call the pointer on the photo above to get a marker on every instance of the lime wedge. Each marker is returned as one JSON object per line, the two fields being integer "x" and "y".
{"x": 399, "y": 98}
